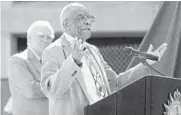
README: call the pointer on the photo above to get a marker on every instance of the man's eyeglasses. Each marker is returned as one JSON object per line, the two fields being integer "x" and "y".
{"x": 41, "y": 35}
{"x": 84, "y": 17}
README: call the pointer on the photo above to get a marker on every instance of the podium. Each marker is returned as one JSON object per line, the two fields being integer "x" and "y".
{"x": 150, "y": 95}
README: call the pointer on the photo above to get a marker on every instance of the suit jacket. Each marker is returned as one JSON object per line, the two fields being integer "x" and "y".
{"x": 24, "y": 81}
{"x": 63, "y": 82}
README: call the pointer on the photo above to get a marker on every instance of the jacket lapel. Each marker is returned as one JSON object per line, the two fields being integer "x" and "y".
{"x": 33, "y": 64}
{"x": 66, "y": 46}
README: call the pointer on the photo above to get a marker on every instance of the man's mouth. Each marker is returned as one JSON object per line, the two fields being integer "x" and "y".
{"x": 87, "y": 29}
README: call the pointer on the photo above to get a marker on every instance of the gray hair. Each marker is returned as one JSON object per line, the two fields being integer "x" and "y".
{"x": 38, "y": 24}
{"x": 64, "y": 11}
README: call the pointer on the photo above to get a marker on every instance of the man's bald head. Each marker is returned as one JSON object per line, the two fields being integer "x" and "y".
{"x": 69, "y": 11}
{"x": 76, "y": 21}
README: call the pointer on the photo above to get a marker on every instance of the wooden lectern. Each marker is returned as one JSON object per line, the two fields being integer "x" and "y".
{"x": 150, "y": 95}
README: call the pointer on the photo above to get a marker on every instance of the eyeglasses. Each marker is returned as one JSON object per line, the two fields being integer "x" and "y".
{"x": 41, "y": 35}
{"x": 84, "y": 17}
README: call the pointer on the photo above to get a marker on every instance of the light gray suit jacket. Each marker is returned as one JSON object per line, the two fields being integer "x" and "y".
{"x": 24, "y": 81}
{"x": 62, "y": 79}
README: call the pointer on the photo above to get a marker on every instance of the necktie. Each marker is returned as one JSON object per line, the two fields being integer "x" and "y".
{"x": 40, "y": 61}
{"x": 98, "y": 80}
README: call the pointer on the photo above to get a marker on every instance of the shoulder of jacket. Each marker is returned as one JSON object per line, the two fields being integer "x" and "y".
{"x": 19, "y": 57}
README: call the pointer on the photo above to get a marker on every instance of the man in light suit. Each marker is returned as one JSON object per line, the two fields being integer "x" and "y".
{"x": 74, "y": 74}
{"x": 24, "y": 72}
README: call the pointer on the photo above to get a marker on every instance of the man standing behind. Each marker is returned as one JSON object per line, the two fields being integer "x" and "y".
{"x": 74, "y": 74}
{"x": 24, "y": 72}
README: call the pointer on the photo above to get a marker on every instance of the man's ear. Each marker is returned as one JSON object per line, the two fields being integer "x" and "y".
{"x": 29, "y": 39}
{"x": 66, "y": 25}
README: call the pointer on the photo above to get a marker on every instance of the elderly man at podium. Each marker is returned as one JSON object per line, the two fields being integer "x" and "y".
{"x": 74, "y": 73}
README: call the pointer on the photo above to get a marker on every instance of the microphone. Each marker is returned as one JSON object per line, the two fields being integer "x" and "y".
{"x": 132, "y": 51}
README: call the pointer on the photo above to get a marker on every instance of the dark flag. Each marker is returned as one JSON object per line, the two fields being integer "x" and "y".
{"x": 165, "y": 28}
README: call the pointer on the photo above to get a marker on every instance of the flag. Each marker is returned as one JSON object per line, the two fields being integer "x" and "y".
{"x": 166, "y": 27}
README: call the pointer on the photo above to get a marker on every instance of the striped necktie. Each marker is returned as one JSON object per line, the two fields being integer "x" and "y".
{"x": 98, "y": 80}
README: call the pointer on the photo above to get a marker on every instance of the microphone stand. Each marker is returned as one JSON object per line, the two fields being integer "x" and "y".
{"x": 145, "y": 63}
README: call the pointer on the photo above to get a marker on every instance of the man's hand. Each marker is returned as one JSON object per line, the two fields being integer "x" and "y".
{"x": 158, "y": 52}
{"x": 77, "y": 53}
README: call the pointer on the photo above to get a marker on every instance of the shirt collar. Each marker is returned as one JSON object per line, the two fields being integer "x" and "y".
{"x": 69, "y": 38}
{"x": 36, "y": 55}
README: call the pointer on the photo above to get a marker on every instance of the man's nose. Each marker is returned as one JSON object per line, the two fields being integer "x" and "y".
{"x": 88, "y": 21}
